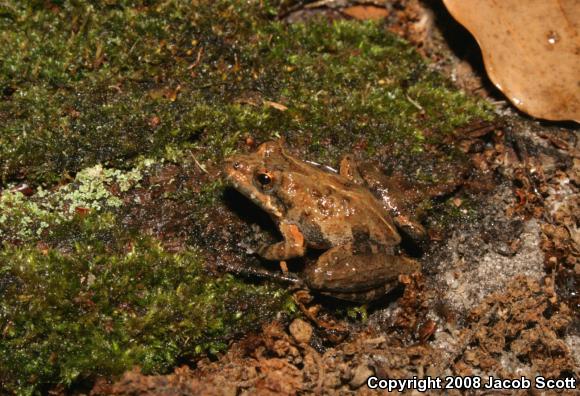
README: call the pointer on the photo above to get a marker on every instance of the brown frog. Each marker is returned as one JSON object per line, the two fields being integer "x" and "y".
{"x": 319, "y": 209}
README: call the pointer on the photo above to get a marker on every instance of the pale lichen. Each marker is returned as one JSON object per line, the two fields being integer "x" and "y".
{"x": 26, "y": 218}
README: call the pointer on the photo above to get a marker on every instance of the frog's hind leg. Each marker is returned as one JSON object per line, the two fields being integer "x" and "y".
{"x": 363, "y": 296}
{"x": 339, "y": 271}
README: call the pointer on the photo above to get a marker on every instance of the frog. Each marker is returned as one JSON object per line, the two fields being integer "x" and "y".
{"x": 318, "y": 209}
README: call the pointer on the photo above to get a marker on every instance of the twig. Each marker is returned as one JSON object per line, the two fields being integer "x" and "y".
{"x": 415, "y": 103}
{"x": 197, "y": 60}
{"x": 198, "y": 164}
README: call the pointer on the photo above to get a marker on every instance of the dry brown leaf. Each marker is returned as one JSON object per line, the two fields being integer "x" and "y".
{"x": 275, "y": 105}
{"x": 531, "y": 51}
{"x": 364, "y": 12}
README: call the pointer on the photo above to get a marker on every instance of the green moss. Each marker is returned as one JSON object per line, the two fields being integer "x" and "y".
{"x": 95, "y": 93}
{"x": 98, "y": 82}
{"x": 112, "y": 302}
{"x": 95, "y": 297}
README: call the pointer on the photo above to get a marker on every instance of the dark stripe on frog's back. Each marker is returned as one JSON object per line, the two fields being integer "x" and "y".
{"x": 307, "y": 170}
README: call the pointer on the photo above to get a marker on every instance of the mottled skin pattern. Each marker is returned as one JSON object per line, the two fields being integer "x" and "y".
{"x": 314, "y": 208}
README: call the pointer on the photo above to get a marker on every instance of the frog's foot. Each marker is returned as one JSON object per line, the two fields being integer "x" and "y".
{"x": 289, "y": 278}
{"x": 339, "y": 273}
{"x": 410, "y": 228}
{"x": 333, "y": 331}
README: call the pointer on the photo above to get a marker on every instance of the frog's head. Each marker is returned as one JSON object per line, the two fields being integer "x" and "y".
{"x": 257, "y": 175}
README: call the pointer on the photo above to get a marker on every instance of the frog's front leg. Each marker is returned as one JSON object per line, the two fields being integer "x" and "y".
{"x": 338, "y": 270}
{"x": 292, "y": 246}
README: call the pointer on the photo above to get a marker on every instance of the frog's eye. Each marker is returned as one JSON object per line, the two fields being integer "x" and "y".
{"x": 264, "y": 178}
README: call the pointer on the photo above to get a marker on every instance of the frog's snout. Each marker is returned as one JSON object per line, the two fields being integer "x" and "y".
{"x": 227, "y": 168}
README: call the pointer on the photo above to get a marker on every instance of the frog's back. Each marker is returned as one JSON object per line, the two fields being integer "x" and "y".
{"x": 331, "y": 210}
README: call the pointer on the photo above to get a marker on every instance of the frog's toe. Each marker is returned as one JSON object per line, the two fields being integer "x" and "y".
{"x": 349, "y": 170}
